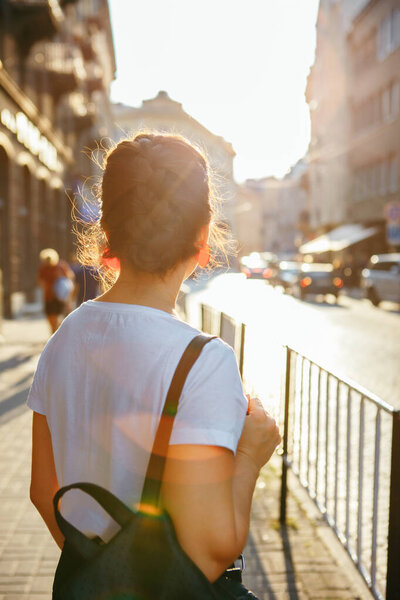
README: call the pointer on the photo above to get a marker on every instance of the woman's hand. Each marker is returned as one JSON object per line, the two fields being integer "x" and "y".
{"x": 260, "y": 435}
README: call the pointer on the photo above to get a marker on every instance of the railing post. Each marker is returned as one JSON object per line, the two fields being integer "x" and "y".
{"x": 393, "y": 570}
{"x": 282, "y": 517}
{"x": 242, "y": 341}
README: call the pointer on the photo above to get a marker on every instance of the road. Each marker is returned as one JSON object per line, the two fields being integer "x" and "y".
{"x": 353, "y": 338}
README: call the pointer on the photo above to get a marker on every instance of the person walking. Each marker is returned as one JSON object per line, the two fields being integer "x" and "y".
{"x": 56, "y": 280}
{"x": 102, "y": 379}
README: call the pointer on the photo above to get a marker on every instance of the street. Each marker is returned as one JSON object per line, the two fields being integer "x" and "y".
{"x": 352, "y": 338}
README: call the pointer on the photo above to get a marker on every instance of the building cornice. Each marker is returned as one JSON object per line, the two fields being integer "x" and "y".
{"x": 30, "y": 110}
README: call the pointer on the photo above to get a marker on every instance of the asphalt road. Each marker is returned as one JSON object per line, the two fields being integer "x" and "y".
{"x": 352, "y": 338}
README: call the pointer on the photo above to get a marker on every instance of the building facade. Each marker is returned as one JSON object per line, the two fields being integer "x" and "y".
{"x": 327, "y": 95}
{"x": 293, "y": 216}
{"x": 353, "y": 94}
{"x": 56, "y": 66}
{"x": 257, "y": 213}
{"x": 164, "y": 114}
{"x": 374, "y": 95}
{"x": 272, "y": 214}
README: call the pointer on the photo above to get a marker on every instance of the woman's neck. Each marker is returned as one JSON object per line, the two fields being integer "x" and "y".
{"x": 146, "y": 289}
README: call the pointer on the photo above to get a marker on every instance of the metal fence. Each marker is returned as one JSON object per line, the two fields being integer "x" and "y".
{"x": 343, "y": 444}
{"x": 221, "y": 324}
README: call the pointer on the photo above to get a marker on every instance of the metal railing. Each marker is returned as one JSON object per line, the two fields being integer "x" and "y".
{"x": 343, "y": 444}
{"x": 221, "y": 324}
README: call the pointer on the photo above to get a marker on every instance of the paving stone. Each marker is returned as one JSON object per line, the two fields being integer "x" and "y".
{"x": 42, "y": 584}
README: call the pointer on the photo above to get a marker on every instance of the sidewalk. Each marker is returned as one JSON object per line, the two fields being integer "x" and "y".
{"x": 304, "y": 561}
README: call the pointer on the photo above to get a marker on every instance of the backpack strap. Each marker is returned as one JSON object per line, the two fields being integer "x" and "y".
{"x": 85, "y": 546}
{"x": 155, "y": 470}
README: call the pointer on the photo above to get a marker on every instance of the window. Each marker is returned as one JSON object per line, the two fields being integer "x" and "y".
{"x": 394, "y": 100}
{"x": 376, "y": 109}
{"x": 383, "y": 179}
{"x": 395, "y": 29}
{"x": 388, "y": 38}
{"x": 393, "y": 175}
{"x": 386, "y": 104}
{"x": 374, "y": 180}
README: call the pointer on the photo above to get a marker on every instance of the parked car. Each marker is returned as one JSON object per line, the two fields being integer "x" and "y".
{"x": 380, "y": 280}
{"x": 286, "y": 272}
{"x": 257, "y": 266}
{"x": 316, "y": 278}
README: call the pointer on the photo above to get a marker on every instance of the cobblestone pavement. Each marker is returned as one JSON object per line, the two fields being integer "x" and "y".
{"x": 302, "y": 561}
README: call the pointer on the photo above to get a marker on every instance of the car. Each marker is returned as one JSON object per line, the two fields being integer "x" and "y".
{"x": 286, "y": 272}
{"x": 316, "y": 278}
{"x": 380, "y": 280}
{"x": 256, "y": 266}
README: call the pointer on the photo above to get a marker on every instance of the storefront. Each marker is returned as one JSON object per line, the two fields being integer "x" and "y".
{"x": 34, "y": 175}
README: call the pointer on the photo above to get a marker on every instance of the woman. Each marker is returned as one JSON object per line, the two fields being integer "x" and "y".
{"x": 56, "y": 279}
{"x": 102, "y": 379}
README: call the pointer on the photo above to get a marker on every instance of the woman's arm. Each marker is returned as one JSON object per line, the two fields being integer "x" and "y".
{"x": 44, "y": 482}
{"x": 208, "y": 492}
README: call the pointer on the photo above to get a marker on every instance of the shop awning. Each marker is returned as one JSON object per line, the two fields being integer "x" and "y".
{"x": 338, "y": 239}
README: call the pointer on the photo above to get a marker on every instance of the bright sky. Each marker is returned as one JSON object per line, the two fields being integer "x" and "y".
{"x": 237, "y": 66}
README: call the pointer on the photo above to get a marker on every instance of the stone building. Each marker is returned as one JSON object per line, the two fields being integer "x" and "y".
{"x": 56, "y": 66}
{"x": 164, "y": 114}
{"x": 293, "y": 217}
{"x": 353, "y": 93}
{"x": 257, "y": 214}
{"x": 272, "y": 214}
{"x": 327, "y": 94}
{"x": 374, "y": 93}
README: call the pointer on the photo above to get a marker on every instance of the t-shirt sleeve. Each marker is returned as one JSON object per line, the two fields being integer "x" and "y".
{"x": 212, "y": 407}
{"x": 36, "y": 397}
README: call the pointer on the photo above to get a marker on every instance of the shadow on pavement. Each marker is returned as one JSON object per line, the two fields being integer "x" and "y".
{"x": 264, "y": 585}
{"x": 22, "y": 357}
{"x": 14, "y": 405}
{"x": 287, "y": 551}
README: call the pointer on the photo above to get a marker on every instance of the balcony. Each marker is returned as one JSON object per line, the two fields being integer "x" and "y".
{"x": 34, "y": 20}
{"x": 77, "y": 114}
{"x": 86, "y": 47}
{"x": 64, "y": 67}
{"x": 94, "y": 78}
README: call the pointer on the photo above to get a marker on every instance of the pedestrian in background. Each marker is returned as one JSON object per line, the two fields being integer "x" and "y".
{"x": 102, "y": 379}
{"x": 57, "y": 282}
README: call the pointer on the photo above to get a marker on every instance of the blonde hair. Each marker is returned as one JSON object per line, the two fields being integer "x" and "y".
{"x": 49, "y": 255}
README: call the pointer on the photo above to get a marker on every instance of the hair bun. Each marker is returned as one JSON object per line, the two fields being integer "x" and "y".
{"x": 142, "y": 171}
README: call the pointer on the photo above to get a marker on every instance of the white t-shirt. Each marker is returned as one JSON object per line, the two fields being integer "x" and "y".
{"x": 102, "y": 380}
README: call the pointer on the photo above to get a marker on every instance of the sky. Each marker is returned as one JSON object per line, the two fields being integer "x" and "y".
{"x": 239, "y": 67}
